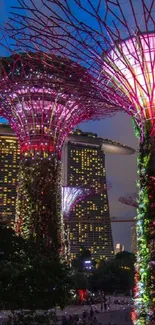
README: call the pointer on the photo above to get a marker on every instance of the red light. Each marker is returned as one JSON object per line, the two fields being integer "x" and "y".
{"x": 37, "y": 147}
{"x": 82, "y": 294}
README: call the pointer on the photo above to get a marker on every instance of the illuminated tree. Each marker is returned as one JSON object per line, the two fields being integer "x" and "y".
{"x": 43, "y": 100}
{"x": 116, "y": 41}
{"x": 71, "y": 196}
{"x": 130, "y": 199}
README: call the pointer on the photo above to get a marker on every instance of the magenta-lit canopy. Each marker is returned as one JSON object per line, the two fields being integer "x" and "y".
{"x": 71, "y": 196}
{"x": 43, "y": 99}
{"x": 131, "y": 65}
{"x": 115, "y": 40}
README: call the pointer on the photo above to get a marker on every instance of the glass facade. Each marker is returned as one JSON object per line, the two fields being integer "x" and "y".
{"x": 9, "y": 161}
{"x": 89, "y": 221}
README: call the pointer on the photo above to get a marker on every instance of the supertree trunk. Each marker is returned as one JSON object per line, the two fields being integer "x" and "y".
{"x": 38, "y": 209}
{"x": 145, "y": 268}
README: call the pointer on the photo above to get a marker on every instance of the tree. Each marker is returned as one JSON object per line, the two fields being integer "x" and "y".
{"x": 78, "y": 263}
{"x": 126, "y": 259}
{"x": 106, "y": 277}
{"x": 29, "y": 276}
{"x": 11, "y": 245}
{"x": 80, "y": 281}
{"x": 115, "y": 275}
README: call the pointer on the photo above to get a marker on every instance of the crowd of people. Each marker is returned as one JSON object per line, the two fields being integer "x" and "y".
{"x": 87, "y": 318}
{"x": 90, "y": 313}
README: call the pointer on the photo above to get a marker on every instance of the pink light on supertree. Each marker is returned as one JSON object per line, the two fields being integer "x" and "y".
{"x": 116, "y": 41}
{"x": 37, "y": 99}
{"x": 119, "y": 56}
{"x": 129, "y": 199}
{"x": 72, "y": 195}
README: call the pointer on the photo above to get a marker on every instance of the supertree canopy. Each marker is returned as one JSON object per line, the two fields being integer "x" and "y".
{"x": 116, "y": 41}
{"x": 129, "y": 199}
{"x": 37, "y": 99}
{"x": 71, "y": 196}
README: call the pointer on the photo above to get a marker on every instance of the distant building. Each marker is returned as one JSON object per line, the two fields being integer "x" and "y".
{"x": 133, "y": 239}
{"x": 9, "y": 160}
{"x": 89, "y": 221}
{"x": 119, "y": 248}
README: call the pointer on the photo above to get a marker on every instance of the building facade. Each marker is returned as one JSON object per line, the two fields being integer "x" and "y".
{"x": 89, "y": 221}
{"x": 9, "y": 161}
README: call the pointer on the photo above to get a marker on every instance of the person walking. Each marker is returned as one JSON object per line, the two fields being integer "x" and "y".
{"x": 109, "y": 302}
{"x": 105, "y": 303}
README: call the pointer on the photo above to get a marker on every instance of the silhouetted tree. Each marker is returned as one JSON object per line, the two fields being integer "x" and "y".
{"x": 116, "y": 275}
{"x": 29, "y": 276}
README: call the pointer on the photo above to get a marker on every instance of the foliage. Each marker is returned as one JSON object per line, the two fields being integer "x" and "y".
{"x": 30, "y": 277}
{"x": 136, "y": 129}
{"x": 11, "y": 245}
{"x": 80, "y": 281}
{"x": 126, "y": 259}
{"x": 78, "y": 263}
{"x": 115, "y": 275}
{"x": 38, "y": 203}
{"x": 145, "y": 276}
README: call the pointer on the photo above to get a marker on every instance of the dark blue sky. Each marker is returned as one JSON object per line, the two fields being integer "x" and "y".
{"x": 121, "y": 170}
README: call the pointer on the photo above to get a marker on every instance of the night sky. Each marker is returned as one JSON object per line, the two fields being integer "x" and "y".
{"x": 121, "y": 170}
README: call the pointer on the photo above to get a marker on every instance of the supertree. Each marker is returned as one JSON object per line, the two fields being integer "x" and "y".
{"x": 116, "y": 41}
{"x": 71, "y": 196}
{"x": 129, "y": 199}
{"x": 42, "y": 104}
{"x": 43, "y": 100}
